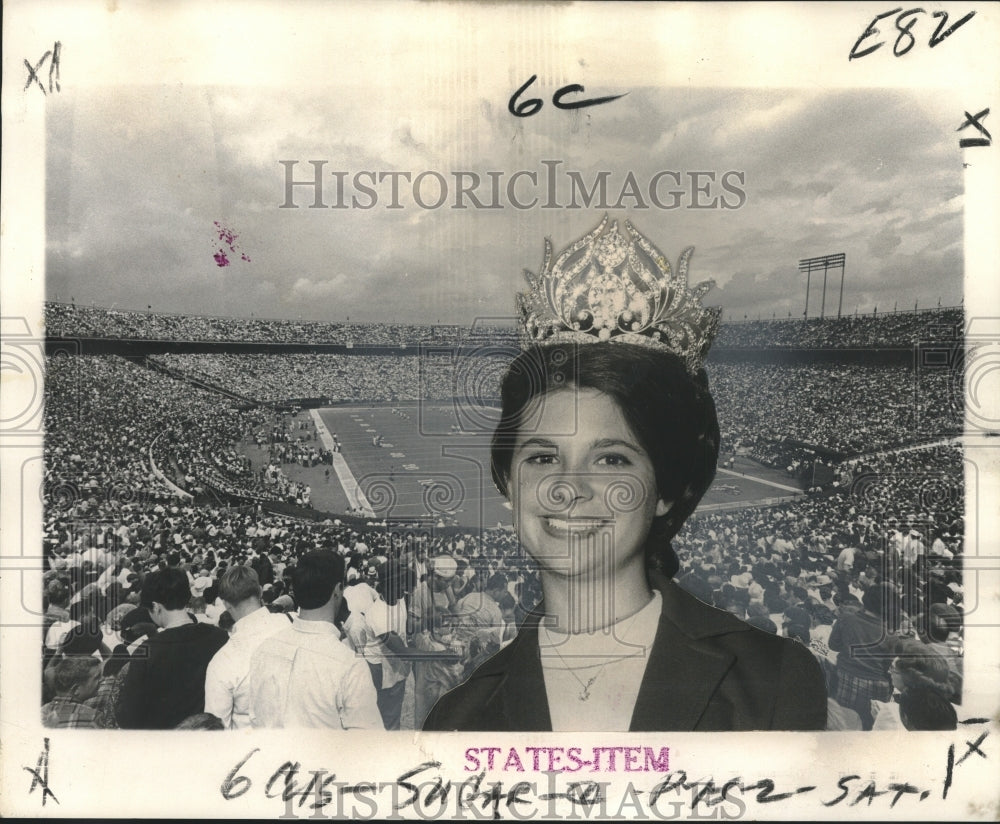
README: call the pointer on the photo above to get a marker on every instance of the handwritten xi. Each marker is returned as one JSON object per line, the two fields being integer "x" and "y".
{"x": 33, "y": 71}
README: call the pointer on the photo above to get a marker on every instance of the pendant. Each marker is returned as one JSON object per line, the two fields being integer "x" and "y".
{"x": 586, "y": 689}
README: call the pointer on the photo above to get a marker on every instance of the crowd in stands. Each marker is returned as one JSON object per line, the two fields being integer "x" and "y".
{"x": 849, "y": 409}
{"x": 144, "y": 583}
{"x": 843, "y": 408}
{"x": 115, "y": 600}
{"x": 334, "y": 378}
{"x": 882, "y": 549}
{"x": 69, "y": 321}
{"x": 850, "y": 331}
{"x": 876, "y": 568}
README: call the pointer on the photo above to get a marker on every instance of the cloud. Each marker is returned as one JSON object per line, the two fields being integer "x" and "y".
{"x": 136, "y": 177}
{"x": 884, "y": 242}
{"x": 308, "y": 289}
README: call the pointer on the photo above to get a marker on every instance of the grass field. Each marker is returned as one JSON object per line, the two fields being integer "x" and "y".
{"x": 426, "y": 468}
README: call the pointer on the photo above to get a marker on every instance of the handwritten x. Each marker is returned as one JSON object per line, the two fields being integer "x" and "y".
{"x": 40, "y": 775}
{"x": 974, "y": 120}
{"x": 973, "y": 747}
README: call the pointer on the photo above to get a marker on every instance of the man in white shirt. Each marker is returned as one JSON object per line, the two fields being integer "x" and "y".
{"x": 227, "y": 680}
{"x": 376, "y": 630}
{"x": 305, "y": 676}
{"x": 940, "y": 549}
{"x": 913, "y": 547}
{"x": 845, "y": 560}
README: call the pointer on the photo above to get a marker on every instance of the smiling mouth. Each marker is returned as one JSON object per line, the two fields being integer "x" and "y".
{"x": 563, "y": 526}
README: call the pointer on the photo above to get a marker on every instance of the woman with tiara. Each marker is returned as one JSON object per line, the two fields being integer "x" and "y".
{"x": 607, "y": 440}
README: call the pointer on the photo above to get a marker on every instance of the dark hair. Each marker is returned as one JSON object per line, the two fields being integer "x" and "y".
{"x": 920, "y": 666}
{"x": 58, "y": 593}
{"x": 316, "y": 576}
{"x": 798, "y": 632}
{"x": 883, "y": 600}
{"x": 226, "y": 621}
{"x": 239, "y": 583}
{"x": 396, "y": 579}
{"x": 697, "y": 586}
{"x": 84, "y": 638}
{"x": 926, "y": 709}
{"x": 497, "y": 581}
{"x": 201, "y": 721}
{"x": 671, "y": 413}
{"x": 169, "y": 587}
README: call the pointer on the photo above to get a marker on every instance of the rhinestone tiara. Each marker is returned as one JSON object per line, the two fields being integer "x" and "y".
{"x": 609, "y": 287}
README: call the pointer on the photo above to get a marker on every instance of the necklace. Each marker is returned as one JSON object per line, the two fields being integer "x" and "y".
{"x": 586, "y": 685}
{"x": 585, "y": 691}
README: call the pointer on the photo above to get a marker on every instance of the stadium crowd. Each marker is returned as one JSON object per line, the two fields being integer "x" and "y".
{"x": 850, "y": 331}
{"x": 868, "y": 330}
{"x": 169, "y": 584}
{"x": 844, "y": 409}
{"x": 67, "y": 320}
{"x": 884, "y": 543}
{"x": 334, "y": 378}
{"x": 833, "y": 566}
{"x": 851, "y": 410}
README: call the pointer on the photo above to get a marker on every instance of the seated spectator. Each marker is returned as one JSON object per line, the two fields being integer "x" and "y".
{"x": 926, "y": 709}
{"x": 76, "y": 678}
{"x": 915, "y": 668}
{"x": 376, "y": 628}
{"x": 864, "y": 652}
{"x": 165, "y": 682}
{"x": 58, "y": 595}
{"x": 227, "y": 679}
{"x": 764, "y": 623}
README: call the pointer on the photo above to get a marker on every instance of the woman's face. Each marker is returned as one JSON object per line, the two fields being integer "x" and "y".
{"x": 582, "y": 488}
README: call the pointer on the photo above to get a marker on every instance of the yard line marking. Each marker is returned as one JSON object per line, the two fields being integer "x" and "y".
{"x": 344, "y": 474}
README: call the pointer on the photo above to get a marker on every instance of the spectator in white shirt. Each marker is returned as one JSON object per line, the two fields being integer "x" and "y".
{"x": 376, "y": 630}
{"x": 227, "y": 680}
{"x": 305, "y": 676}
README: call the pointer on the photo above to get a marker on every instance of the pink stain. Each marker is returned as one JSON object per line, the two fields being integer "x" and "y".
{"x": 228, "y": 238}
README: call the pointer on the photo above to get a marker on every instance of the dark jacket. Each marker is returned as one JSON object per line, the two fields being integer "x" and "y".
{"x": 166, "y": 677}
{"x": 707, "y": 670}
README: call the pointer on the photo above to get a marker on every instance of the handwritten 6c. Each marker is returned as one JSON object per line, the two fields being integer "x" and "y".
{"x": 526, "y": 108}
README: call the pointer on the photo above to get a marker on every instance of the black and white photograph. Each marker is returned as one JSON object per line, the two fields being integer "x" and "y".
{"x": 435, "y": 410}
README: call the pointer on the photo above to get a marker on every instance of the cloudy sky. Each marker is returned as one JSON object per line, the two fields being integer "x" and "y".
{"x": 138, "y": 175}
